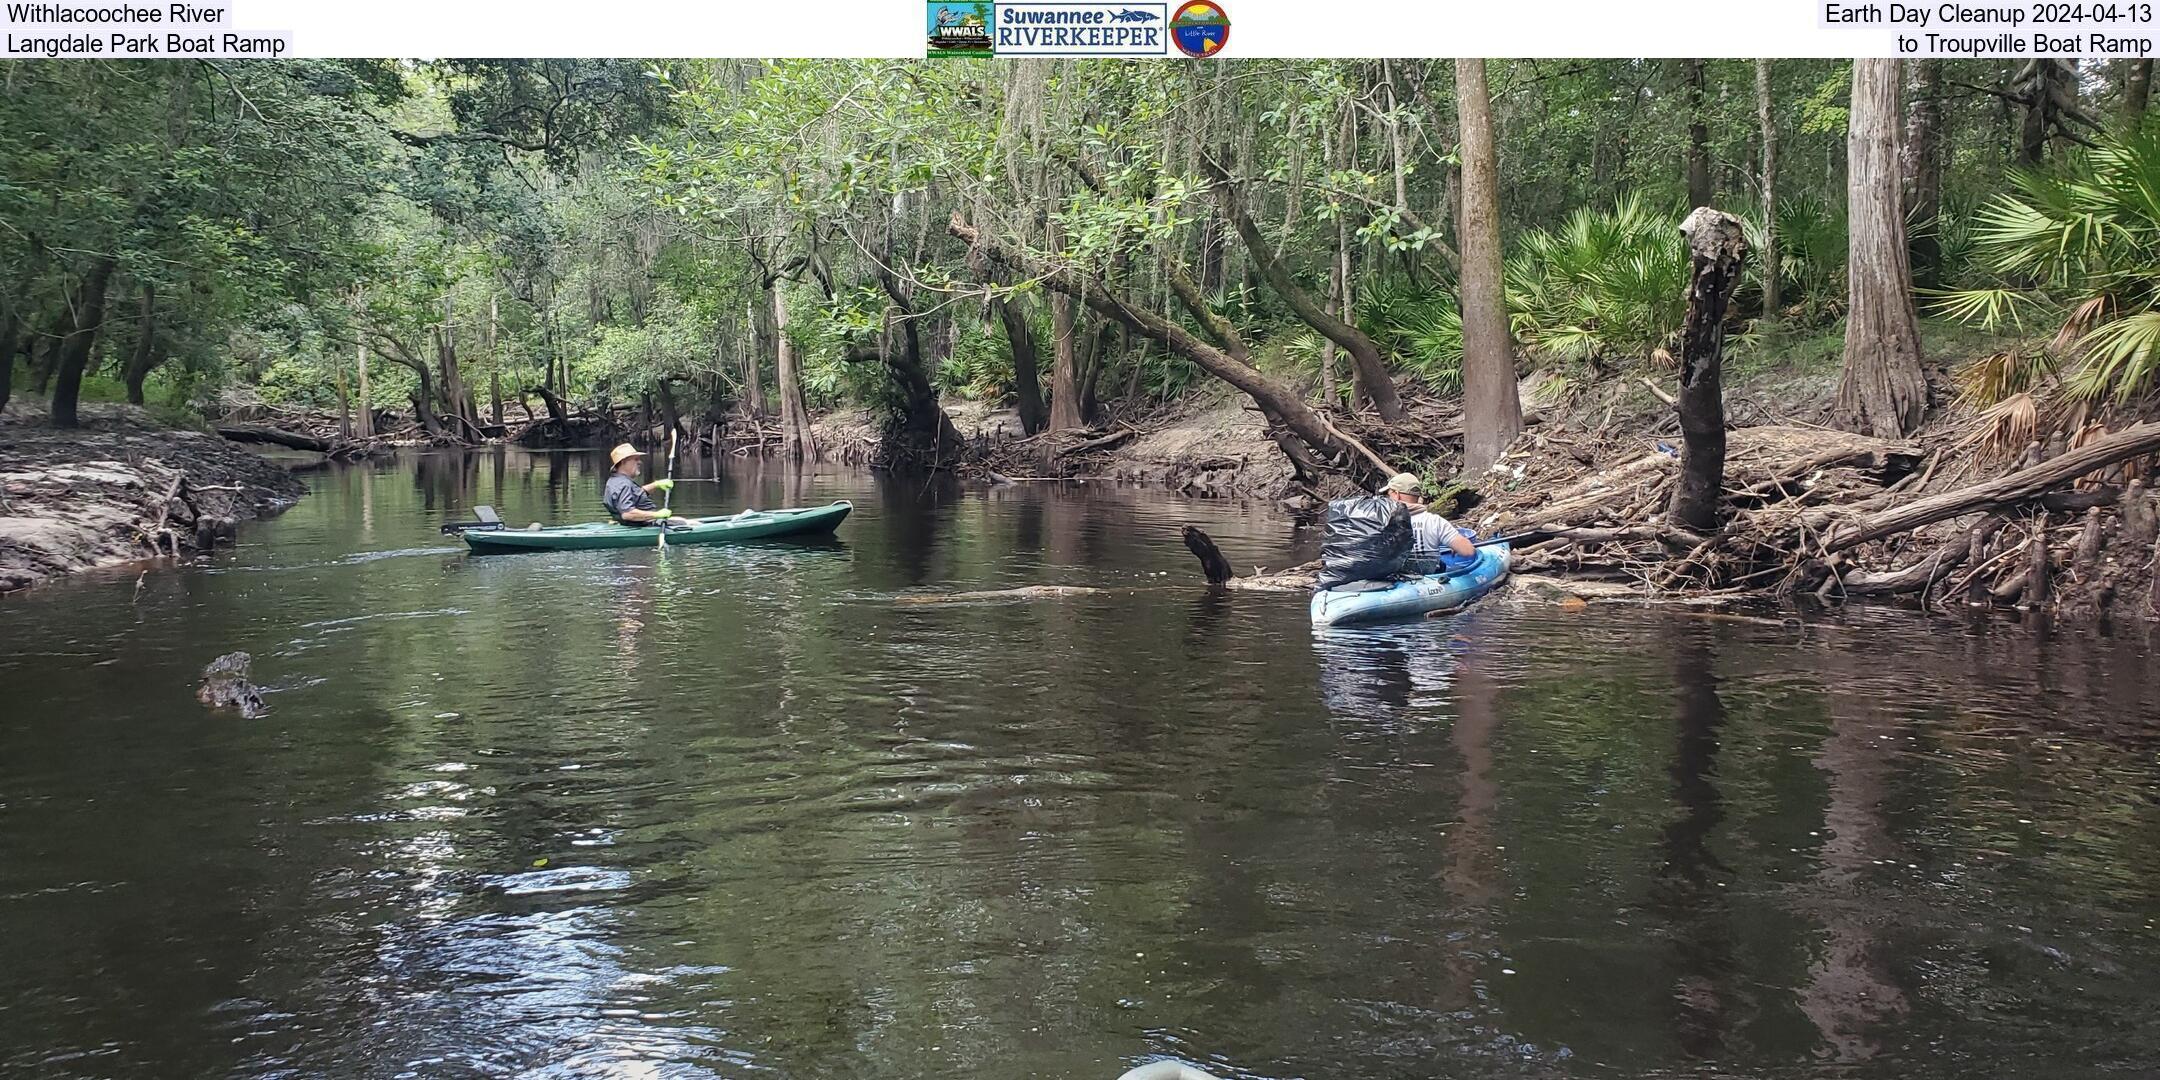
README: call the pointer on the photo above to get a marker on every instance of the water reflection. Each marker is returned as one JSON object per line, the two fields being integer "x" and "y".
{"x": 1373, "y": 675}
{"x": 736, "y": 811}
{"x": 1691, "y": 886}
{"x": 1850, "y": 994}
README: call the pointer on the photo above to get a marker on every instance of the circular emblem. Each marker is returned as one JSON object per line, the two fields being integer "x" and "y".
{"x": 1200, "y": 28}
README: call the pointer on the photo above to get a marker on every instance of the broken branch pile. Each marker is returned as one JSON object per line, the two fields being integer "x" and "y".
{"x": 1808, "y": 510}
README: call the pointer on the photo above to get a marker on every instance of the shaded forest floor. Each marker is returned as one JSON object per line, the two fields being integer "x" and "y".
{"x": 121, "y": 489}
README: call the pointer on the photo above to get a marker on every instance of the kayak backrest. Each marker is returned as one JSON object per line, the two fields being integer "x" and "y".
{"x": 487, "y": 515}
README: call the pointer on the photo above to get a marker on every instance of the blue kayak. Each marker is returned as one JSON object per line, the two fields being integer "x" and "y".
{"x": 1367, "y": 602}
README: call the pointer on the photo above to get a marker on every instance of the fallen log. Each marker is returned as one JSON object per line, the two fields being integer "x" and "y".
{"x": 1923, "y": 575}
{"x": 274, "y": 436}
{"x": 2024, "y": 485}
{"x": 1668, "y": 534}
{"x": 1103, "y": 443}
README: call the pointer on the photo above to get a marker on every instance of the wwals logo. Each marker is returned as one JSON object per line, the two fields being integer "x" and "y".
{"x": 958, "y": 29}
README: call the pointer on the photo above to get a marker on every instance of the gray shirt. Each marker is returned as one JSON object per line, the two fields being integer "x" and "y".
{"x": 1430, "y": 535}
{"x": 623, "y": 493}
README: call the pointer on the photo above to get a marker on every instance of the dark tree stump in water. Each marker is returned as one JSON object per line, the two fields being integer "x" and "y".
{"x": 225, "y": 685}
{"x": 1212, "y": 563}
{"x": 210, "y": 530}
{"x": 1716, "y": 245}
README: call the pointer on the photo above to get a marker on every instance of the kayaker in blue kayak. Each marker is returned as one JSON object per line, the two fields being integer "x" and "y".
{"x": 628, "y": 501}
{"x": 1432, "y": 537}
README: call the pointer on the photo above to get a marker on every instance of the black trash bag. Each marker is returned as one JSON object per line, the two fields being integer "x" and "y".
{"x": 1368, "y": 539}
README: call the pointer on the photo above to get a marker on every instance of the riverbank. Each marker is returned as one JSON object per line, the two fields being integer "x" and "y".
{"x": 121, "y": 489}
{"x": 2032, "y": 506}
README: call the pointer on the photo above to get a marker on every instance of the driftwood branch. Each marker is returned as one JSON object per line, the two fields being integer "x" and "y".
{"x": 2024, "y": 485}
{"x": 274, "y": 436}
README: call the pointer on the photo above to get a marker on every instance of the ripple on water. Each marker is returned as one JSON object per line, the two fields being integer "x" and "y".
{"x": 742, "y": 813}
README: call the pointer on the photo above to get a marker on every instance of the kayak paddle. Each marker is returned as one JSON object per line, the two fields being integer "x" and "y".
{"x": 669, "y": 495}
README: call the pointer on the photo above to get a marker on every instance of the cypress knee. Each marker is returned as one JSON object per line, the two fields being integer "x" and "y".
{"x": 1716, "y": 247}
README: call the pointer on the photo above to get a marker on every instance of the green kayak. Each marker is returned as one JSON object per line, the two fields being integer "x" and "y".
{"x": 748, "y": 525}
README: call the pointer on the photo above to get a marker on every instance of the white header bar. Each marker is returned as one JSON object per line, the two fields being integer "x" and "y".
{"x": 1256, "y": 28}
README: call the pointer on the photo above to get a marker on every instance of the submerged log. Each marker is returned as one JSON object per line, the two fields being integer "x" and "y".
{"x": 1024, "y": 592}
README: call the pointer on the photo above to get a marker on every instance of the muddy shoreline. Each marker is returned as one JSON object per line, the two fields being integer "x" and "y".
{"x": 122, "y": 489}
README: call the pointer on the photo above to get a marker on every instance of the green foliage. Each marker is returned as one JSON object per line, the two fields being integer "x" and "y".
{"x": 612, "y": 227}
{"x": 1813, "y": 245}
{"x": 1606, "y": 283}
{"x": 980, "y": 367}
{"x": 2088, "y": 233}
{"x": 1825, "y": 109}
{"x": 1419, "y": 327}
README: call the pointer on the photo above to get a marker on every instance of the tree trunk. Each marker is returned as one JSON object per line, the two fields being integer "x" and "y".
{"x": 1027, "y": 366}
{"x": 344, "y": 403}
{"x": 2048, "y": 88}
{"x": 75, "y": 355}
{"x": 454, "y": 399}
{"x": 1923, "y": 152}
{"x": 753, "y": 389}
{"x": 45, "y": 352}
{"x": 1065, "y": 395}
{"x": 2137, "y": 90}
{"x": 668, "y": 411}
{"x": 1716, "y": 246}
{"x": 1492, "y": 411}
{"x": 924, "y": 426}
{"x": 143, "y": 360}
{"x": 1699, "y": 183}
{"x": 10, "y": 329}
{"x": 1212, "y": 323}
{"x": 796, "y": 440}
{"x": 1276, "y": 399}
{"x": 1883, "y": 391}
{"x": 1766, "y": 114}
{"x": 365, "y": 428}
{"x": 423, "y": 399}
{"x": 558, "y": 410}
{"x": 494, "y": 365}
{"x": 1371, "y": 370}
{"x": 1093, "y": 359}
{"x": 1395, "y": 140}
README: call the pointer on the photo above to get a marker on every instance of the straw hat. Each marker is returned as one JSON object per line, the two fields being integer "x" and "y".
{"x": 616, "y": 456}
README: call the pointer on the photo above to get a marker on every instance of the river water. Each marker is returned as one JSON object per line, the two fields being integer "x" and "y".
{"x": 757, "y": 812}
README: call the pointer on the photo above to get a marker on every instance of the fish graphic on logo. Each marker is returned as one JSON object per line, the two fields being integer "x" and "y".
{"x": 1130, "y": 16}
{"x": 1200, "y": 28}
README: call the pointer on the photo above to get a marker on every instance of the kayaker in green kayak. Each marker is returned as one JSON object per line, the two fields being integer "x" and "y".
{"x": 1431, "y": 536}
{"x": 628, "y": 501}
